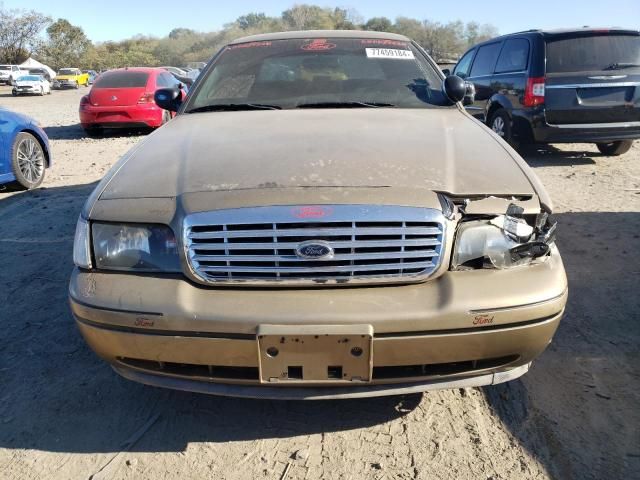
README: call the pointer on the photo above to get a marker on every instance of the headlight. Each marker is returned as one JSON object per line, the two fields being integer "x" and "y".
{"x": 81, "y": 244}
{"x": 146, "y": 248}
{"x": 498, "y": 243}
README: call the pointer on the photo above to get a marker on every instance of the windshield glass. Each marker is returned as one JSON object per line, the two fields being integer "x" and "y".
{"x": 321, "y": 72}
{"x": 29, "y": 78}
{"x": 593, "y": 53}
{"x": 122, "y": 79}
{"x": 67, "y": 71}
{"x": 5, "y": 67}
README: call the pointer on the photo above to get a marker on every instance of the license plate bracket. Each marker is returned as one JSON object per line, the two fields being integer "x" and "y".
{"x": 315, "y": 353}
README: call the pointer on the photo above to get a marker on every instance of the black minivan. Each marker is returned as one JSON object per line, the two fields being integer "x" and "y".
{"x": 558, "y": 86}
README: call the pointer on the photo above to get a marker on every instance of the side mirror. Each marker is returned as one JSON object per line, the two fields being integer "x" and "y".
{"x": 446, "y": 71}
{"x": 454, "y": 88}
{"x": 168, "y": 98}
{"x": 470, "y": 95}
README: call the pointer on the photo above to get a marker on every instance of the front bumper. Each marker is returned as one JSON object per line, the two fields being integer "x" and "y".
{"x": 461, "y": 326}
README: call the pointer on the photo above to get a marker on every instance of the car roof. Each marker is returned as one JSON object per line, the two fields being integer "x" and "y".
{"x": 136, "y": 69}
{"x": 319, "y": 34}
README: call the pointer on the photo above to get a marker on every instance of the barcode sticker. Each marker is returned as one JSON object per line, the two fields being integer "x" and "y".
{"x": 389, "y": 53}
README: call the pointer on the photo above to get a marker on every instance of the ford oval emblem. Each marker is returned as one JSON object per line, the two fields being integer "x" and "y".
{"x": 314, "y": 250}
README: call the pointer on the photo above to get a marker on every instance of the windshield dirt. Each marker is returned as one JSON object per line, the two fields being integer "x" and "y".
{"x": 320, "y": 73}
{"x": 593, "y": 53}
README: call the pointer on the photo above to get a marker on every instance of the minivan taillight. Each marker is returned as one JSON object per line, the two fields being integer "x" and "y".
{"x": 534, "y": 92}
{"x": 146, "y": 98}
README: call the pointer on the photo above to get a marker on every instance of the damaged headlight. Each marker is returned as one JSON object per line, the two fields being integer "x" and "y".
{"x": 146, "y": 248}
{"x": 502, "y": 242}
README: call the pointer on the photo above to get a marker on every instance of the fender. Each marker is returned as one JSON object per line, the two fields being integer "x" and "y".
{"x": 497, "y": 101}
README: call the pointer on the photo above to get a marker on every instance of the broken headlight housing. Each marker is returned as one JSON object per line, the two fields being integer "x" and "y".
{"x": 135, "y": 247}
{"x": 503, "y": 241}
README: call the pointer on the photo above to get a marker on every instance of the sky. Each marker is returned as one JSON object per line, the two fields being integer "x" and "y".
{"x": 119, "y": 19}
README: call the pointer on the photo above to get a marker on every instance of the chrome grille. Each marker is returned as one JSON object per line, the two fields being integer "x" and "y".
{"x": 371, "y": 244}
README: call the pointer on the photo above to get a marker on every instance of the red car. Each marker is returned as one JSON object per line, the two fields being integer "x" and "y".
{"x": 123, "y": 98}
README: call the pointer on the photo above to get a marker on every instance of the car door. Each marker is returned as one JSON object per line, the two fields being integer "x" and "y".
{"x": 481, "y": 75}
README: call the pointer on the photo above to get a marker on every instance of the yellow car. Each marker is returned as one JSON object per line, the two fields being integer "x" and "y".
{"x": 70, "y": 78}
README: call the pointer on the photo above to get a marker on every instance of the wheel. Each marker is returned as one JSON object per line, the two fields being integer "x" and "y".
{"x": 500, "y": 123}
{"x": 14, "y": 92}
{"x": 613, "y": 149}
{"x": 42, "y": 91}
{"x": 28, "y": 161}
{"x": 93, "y": 132}
{"x": 77, "y": 85}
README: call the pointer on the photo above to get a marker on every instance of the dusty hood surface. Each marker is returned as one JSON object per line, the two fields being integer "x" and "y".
{"x": 332, "y": 150}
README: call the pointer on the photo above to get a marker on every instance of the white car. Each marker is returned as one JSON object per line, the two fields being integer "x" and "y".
{"x": 33, "y": 84}
{"x": 10, "y": 73}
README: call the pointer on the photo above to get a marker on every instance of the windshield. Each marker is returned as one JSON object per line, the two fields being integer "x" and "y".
{"x": 321, "y": 72}
{"x": 122, "y": 79}
{"x": 593, "y": 53}
{"x": 29, "y": 78}
{"x": 5, "y": 67}
{"x": 67, "y": 71}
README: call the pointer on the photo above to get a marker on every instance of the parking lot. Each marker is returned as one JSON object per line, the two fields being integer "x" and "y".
{"x": 65, "y": 414}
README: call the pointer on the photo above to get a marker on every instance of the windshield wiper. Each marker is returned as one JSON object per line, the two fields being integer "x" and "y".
{"x": 344, "y": 105}
{"x": 233, "y": 107}
{"x": 620, "y": 66}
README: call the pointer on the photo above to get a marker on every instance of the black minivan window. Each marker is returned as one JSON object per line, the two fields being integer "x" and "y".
{"x": 593, "y": 53}
{"x": 462, "y": 68}
{"x": 514, "y": 56}
{"x": 485, "y": 60}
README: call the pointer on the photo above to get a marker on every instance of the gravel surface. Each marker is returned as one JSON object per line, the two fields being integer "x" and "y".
{"x": 65, "y": 414}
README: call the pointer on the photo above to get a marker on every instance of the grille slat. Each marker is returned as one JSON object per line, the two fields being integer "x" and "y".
{"x": 370, "y": 244}
{"x": 293, "y": 258}
{"x": 315, "y": 269}
{"x": 315, "y": 232}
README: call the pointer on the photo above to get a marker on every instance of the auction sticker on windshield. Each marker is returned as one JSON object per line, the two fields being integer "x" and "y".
{"x": 389, "y": 53}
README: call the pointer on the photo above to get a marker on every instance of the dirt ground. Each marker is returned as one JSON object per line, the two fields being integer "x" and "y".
{"x": 64, "y": 414}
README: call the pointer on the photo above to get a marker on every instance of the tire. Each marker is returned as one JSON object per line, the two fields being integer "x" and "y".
{"x": 28, "y": 161}
{"x": 613, "y": 149}
{"x": 500, "y": 123}
{"x": 42, "y": 91}
{"x": 77, "y": 86}
{"x": 14, "y": 92}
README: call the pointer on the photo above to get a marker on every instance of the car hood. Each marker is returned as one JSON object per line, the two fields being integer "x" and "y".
{"x": 27, "y": 83}
{"x": 328, "y": 150}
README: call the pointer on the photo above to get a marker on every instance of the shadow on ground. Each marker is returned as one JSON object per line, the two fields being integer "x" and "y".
{"x": 547, "y": 155}
{"x": 76, "y": 132}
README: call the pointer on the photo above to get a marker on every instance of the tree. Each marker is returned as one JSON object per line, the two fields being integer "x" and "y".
{"x": 19, "y": 32}
{"x": 66, "y": 44}
{"x": 379, "y": 24}
{"x": 251, "y": 20}
{"x": 308, "y": 17}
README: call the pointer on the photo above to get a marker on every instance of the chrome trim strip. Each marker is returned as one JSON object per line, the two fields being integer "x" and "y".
{"x": 593, "y": 85}
{"x": 596, "y": 125}
{"x": 222, "y": 227}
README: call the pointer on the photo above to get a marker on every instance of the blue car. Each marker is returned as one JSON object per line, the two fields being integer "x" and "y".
{"x": 24, "y": 150}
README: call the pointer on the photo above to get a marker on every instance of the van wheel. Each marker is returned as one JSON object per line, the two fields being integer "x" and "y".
{"x": 28, "y": 161}
{"x": 613, "y": 149}
{"x": 500, "y": 123}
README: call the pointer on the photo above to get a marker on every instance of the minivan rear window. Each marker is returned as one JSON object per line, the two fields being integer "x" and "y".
{"x": 593, "y": 53}
{"x": 122, "y": 80}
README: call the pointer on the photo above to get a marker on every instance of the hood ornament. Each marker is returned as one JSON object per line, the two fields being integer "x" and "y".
{"x": 315, "y": 250}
